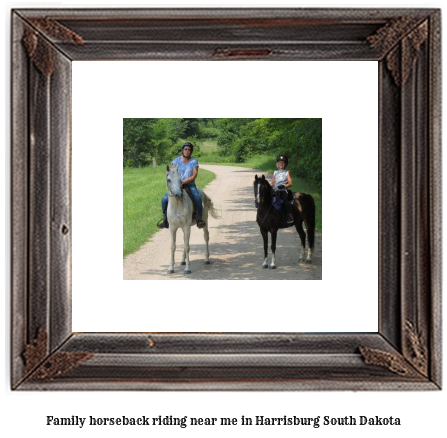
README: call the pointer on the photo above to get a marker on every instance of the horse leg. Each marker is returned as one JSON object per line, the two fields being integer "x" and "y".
{"x": 300, "y": 231}
{"x": 186, "y": 235}
{"x": 206, "y": 235}
{"x": 183, "y": 262}
{"x": 310, "y": 228}
{"x": 265, "y": 236}
{"x": 309, "y": 255}
{"x": 173, "y": 237}
{"x": 273, "y": 265}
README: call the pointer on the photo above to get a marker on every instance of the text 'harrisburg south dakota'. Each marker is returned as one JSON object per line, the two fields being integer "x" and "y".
{"x": 258, "y": 420}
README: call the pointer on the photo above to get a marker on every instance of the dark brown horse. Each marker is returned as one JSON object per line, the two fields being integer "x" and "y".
{"x": 271, "y": 220}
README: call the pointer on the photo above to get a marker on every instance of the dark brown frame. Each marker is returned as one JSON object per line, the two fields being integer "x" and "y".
{"x": 405, "y": 354}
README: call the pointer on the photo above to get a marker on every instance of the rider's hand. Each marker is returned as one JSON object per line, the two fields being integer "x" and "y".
{"x": 281, "y": 187}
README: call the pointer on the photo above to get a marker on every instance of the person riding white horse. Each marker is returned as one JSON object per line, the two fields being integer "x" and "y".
{"x": 188, "y": 168}
{"x": 180, "y": 215}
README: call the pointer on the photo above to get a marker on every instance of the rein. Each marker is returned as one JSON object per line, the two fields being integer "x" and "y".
{"x": 268, "y": 211}
{"x": 265, "y": 217}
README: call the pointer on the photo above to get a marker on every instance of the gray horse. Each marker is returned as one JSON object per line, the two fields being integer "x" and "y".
{"x": 180, "y": 215}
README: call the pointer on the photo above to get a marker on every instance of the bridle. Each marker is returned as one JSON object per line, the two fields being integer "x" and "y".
{"x": 170, "y": 194}
{"x": 261, "y": 200}
{"x": 258, "y": 195}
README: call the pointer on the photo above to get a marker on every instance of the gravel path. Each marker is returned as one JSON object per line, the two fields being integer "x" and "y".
{"x": 236, "y": 248}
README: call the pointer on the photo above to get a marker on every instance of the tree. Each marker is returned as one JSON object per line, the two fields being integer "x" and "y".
{"x": 145, "y": 139}
{"x": 191, "y": 127}
{"x": 299, "y": 139}
{"x": 137, "y": 141}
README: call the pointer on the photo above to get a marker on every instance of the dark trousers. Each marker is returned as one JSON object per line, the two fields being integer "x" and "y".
{"x": 284, "y": 195}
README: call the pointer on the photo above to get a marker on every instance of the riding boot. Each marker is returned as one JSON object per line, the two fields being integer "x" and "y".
{"x": 200, "y": 223}
{"x": 165, "y": 220}
{"x": 163, "y": 223}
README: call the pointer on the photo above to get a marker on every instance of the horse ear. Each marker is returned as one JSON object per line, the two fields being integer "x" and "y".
{"x": 263, "y": 177}
{"x": 256, "y": 177}
{"x": 167, "y": 167}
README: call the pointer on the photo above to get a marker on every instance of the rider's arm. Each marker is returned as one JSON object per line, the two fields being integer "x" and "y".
{"x": 273, "y": 181}
{"x": 289, "y": 181}
{"x": 191, "y": 179}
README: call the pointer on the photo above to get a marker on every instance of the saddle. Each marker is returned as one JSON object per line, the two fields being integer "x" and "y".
{"x": 290, "y": 196}
{"x": 277, "y": 201}
{"x": 285, "y": 206}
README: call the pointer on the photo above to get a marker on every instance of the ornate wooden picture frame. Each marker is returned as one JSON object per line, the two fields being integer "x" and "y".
{"x": 405, "y": 353}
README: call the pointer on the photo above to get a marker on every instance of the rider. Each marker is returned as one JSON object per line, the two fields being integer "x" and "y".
{"x": 188, "y": 168}
{"x": 281, "y": 182}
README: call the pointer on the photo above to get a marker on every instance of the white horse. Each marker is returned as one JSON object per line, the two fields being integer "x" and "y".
{"x": 180, "y": 209}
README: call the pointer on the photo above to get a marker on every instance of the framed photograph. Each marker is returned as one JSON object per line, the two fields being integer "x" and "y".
{"x": 404, "y": 353}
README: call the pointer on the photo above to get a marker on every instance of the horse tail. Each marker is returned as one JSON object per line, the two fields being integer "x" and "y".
{"x": 306, "y": 206}
{"x": 208, "y": 204}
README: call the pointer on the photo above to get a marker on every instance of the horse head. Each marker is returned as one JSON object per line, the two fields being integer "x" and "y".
{"x": 262, "y": 188}
{"x": 174, "y": 182}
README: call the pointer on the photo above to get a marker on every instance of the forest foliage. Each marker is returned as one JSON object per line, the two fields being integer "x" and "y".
{"x": 146, "y": 141}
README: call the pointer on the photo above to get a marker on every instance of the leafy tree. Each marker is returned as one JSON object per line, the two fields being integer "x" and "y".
{"x": 191, "y": 127}
{"x": 137, "y": 141}
{"x": 299, "y": 139}
{"x": 146, "y": 139}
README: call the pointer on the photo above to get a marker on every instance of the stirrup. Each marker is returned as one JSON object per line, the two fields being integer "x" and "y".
{"x": 162, "y": 223}
{"x": 289, "y": 219}
{"x": 200, "y": 223}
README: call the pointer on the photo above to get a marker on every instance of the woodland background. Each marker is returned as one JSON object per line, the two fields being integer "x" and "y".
{"x": 226, "y": 141}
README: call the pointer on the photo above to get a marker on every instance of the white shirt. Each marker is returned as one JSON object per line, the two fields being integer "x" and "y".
{"x": 280, "y": 178}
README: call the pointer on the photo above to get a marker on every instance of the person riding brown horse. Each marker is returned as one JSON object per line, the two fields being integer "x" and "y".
{"x": 282, "y": 180}
{"x": 270, "y": 219}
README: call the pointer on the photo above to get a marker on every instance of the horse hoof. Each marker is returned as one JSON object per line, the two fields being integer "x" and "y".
{"x": 300, "y": 260}
{"x": 170, "y": 271}
{"x": 309, "y": 262}
{"x": 206, "y": 262}
{"x": 265, "y": 266}
{"x": 272, "y": 267}
{"x": 187, "y": 272}
{"x": 183, "y": 263}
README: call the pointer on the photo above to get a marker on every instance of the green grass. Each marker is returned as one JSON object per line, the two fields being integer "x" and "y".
{"x": 143, "y": 189}
{"x": 208, "y": 145}
{"x": 268, "y": 165}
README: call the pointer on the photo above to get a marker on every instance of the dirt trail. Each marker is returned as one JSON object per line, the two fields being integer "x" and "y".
{"x": 236, "y": 248}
